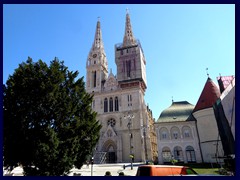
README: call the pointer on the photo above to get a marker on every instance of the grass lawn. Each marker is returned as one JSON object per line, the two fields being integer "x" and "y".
{"x": 201, "y": 168}
{"x": 206, "y": 170}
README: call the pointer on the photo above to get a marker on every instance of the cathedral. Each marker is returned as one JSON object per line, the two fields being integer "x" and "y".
{"x": 127, "y": 132}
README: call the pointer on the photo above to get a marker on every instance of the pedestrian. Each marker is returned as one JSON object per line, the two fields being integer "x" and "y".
{"x": 108, "y": 173}
{"x": 121, "y": 174}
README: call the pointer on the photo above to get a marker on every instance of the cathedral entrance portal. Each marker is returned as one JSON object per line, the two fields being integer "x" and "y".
{"x": 110, "y": 148}
{"x": 111, "y": 157}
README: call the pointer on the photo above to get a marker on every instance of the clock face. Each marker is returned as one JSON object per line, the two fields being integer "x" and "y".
{"x": 94, "y": 55}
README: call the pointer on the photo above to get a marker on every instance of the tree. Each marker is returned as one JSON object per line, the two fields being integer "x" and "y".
{"x": 49, "y": 124}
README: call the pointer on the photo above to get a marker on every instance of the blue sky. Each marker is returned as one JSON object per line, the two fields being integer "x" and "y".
{"x": 179, "y": 42}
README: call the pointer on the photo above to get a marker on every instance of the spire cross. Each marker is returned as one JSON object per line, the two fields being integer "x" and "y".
{"x": 127, "y": 10}
{"x": 172, "y": 99}
{"x": 98, "y": 18}
{"x": 207, "y": 72}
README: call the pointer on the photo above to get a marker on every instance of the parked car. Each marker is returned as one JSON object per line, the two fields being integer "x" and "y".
{"x": 164, "y": 170}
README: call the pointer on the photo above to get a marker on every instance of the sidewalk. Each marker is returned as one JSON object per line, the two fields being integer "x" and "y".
{"x": 97, "y": 170}
{"x": 100, "y": 169}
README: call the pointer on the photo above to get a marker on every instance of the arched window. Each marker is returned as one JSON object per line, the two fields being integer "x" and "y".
{"x": 178, "y": 154}
{"x": 111, "y": 104}
{"x": 116, "y": 103}
{"x": 105, "y": 105}
{"x": 190, "y": 153}
{"x": 186, "y": 130}
{"x": 186, "y": 134}
{"x": 164, "y": 133}
{"x": 175, "y": 133}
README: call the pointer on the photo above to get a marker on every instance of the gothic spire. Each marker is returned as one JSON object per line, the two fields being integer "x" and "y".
{"x": 98, "y": 43}
{"x": 128, "y": 39}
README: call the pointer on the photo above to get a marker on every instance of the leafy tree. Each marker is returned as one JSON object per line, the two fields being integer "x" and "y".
{"x": 49, "y": 125}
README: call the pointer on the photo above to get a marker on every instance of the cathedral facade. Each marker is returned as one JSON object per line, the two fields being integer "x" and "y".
{"x": 127, "y": 131}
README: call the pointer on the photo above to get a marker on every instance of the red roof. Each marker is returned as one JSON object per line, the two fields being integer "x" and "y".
{"x": 208, "y": 97}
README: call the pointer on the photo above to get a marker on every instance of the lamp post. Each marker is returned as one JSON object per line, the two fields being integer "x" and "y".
{"x": 92, "y": 165}
{"x": 130, "y": 117}
{"x": 89, "y": 139}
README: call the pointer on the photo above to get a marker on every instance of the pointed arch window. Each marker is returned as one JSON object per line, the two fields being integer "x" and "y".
{"x": 105, "y": 105}
{"x": 94, "y": 78}
{"x": 129, "y": 100}
{"x": 121, "y": 52}
{"x": 111, "y": 104}
{"x": 123, "y": 66}
{"x": 134, "y": 63}
{"x": 128, "y": 68}
{"x": 116, "y": 103}
{"x": 109, "y": 133}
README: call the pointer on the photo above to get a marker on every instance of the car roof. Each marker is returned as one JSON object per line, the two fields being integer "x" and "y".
{"x": 163, "y": 166}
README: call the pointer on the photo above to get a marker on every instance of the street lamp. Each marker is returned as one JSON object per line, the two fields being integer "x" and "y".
{"x": 92, "y": 160}
{"x": 92, "y": 165}
{"x": 130, "y": 117}
{"x": 89, "y": 139}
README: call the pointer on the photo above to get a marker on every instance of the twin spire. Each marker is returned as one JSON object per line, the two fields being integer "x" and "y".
{"x": 98, "y": 43}
{"x": 128, "y": 39}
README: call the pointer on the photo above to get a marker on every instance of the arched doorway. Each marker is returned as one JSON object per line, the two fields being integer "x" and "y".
{"x": 110, "y": 148}
{"x": 190, "y": 153}
{"x": 110, "y": 156}
{"x": 178, "y": 154}
{"x": 166, "y": 155}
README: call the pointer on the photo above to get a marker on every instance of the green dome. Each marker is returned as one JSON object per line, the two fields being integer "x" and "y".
{"x": 178, "y": 111}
